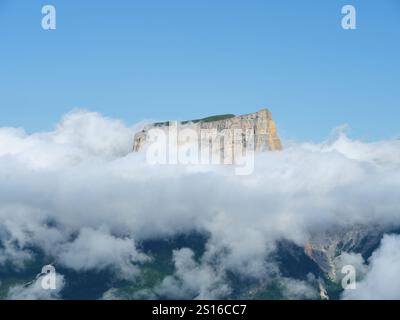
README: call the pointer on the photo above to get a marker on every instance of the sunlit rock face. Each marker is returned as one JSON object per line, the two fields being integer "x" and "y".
{"x": 259, "y": 123}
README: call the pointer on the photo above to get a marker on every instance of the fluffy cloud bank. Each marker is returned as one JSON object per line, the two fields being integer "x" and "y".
{"x": 382, "y": 278}
{"x": 35, "y": 290}
{"x": 80, "y": 195}
{"x": 191, "y": 279}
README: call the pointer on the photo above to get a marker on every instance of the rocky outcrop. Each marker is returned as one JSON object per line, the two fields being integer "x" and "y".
{"x": 260, "y": 123}
{"x": 325, "y": 247}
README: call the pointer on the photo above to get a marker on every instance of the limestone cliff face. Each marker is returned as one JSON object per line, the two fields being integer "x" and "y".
{"x": 260, "y": 123}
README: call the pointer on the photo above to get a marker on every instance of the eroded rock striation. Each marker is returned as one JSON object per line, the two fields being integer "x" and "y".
{"x": 260, "y": 123}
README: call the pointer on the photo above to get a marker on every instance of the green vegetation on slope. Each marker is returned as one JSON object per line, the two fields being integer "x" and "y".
{"x": 208, "y": 119}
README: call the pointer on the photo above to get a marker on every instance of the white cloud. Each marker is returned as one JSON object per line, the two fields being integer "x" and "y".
{"x": 81, "y": 195}
{"x": 79, "y": 136}
{"x": 35, "y": 291}
{"x": 298, "y": 290}
{"x": 98, "y": 250}
{"x": 382, "y": 281}
{"x": 350, "y": 259}
{"x": 193, "y": 279}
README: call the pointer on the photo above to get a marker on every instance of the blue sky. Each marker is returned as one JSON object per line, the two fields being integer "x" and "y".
{"x": 137, "y": 60}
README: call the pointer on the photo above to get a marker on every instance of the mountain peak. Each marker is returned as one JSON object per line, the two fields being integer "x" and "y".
{"x": 260, "y": 123}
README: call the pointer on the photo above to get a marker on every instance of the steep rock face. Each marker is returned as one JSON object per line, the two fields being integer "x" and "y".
{"x": 323, "y": 251}
{"x": 325, "y": 247}
{"x": 260, "y": 123}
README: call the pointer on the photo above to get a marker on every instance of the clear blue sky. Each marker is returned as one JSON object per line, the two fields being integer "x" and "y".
{"x": 171, "y": 59}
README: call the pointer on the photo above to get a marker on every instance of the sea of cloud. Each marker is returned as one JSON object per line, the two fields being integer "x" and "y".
{"x": 82, "y": 196}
